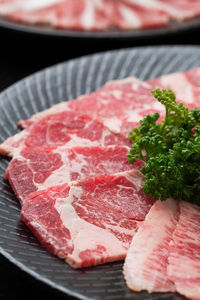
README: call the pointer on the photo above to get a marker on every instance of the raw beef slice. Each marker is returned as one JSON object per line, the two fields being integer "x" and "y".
{"x": 99, "y": 14}
{"x": 64, "y": 129}
{"x": 64, "y": 14}
{"x": 184, "y": 258}
{"x": 36, "y": 169}
{"x": 180, "y": 9}
{"x": 145, "y": 266}
{"x": 89, "y": 222}
{"x": 131, "y": 14}
{"x": 119, "y": 105}
{"x": 186, "y": 85}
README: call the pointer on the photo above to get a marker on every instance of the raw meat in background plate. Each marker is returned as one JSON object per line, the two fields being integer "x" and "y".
{"x": 35, "y": 168}
{"x": 63, "y": 14}
{"x": 82, "y": 221}
{"x": 99, "y": 15}
{"x": 129, "y": 15}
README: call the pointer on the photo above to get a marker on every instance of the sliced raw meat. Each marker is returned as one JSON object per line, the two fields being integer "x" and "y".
{"x": 90, "y": 222}
{"x": 36, "y": 169}
{"x": 7, "y": 6}
{"x": 65, "y": 129}
{"x": 119, "y": 105}
{"x": 113, "y": 90}
{"x": 180, "y": 9}
{"x": 130, "y": 14}
{"x": 99, "y": 14}
{"x": 145, "y": 266}
{"x": 175, "y": 10}
{"x": 184, "y": 258}
{"x": 64, "y": 14}
{"x": 186, "y": 85}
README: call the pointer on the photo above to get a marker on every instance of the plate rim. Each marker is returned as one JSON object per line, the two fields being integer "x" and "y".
{"x": 174, "y": 28}
{"x": 4, "y": 253}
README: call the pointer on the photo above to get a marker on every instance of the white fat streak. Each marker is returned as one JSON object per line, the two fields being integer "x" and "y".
{"x": 131, "y": 79}
{"x": 85, "y": 235}
{"x": 182, "y": 87}
{"x": 134, "y": 115}
{"x": 135, "y": 177}
{"x": 7, "y": 146}
{"x": 116, "y": 93}
{"x": 189, "y": 264}
{"x": 138, "y": 83}
{"x": 145, "y": 3}
{"x": 39, "y": 4}
{"x": 113, "y": 123}
{"x": 28, "y": 5}
{"x": 158, "y": 5}
{"x": 130, "y": 17}
{"x": 88, "y": 16}
{"x": 61, "y": 107}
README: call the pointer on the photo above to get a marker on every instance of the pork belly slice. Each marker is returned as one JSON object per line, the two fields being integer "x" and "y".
{"x": 186, "y": 85}
{"x": 173, "y": 10}
{"x": 36, "y": 169}
{"x": 64, "y": 14}
{"x": 130, "y": 14}
{"x": 119, "y": 105}
{"x": 180, "y": 9}
{"x": 145, "y": 266}
{"x": 89, "y": 222}
{"x": 65, "y": 129}
{"x": 99, "y": 14}
{"x": 184, "y": 258}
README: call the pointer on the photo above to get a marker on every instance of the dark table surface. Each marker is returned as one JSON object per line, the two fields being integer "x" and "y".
{"x": 22, "y": 55}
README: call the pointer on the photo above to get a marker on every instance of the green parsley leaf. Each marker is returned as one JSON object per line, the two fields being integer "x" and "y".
{"x": 170, "y": 149}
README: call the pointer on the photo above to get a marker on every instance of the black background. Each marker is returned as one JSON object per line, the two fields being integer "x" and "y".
{"x": 23, "y": 54}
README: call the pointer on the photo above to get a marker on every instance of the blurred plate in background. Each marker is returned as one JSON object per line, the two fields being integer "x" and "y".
{"x": 172, "y": 29}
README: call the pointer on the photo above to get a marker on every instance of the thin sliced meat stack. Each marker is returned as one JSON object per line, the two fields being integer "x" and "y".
{"x": 184, "y": 258}
{"x": 186, "y": 85}
{"x": 89, "y": 222}
{"x": 146, "y": 263}
{"x": 35, "y": 168}
{"x": 64, "y": 129}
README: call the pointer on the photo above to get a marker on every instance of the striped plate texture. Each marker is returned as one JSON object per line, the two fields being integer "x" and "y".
{"x": 40, "y": 91}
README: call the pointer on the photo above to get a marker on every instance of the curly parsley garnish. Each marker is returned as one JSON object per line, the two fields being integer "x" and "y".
{"x": 170, "y": 149}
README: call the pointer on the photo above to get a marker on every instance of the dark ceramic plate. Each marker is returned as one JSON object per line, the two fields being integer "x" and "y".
{"x": 39, "y": 91}
{"x": 172, "y": 29}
